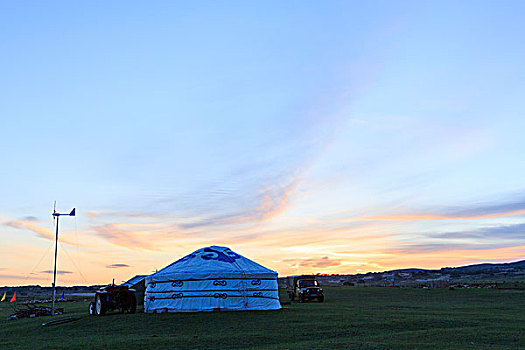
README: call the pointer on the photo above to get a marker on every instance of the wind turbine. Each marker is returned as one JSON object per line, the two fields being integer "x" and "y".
{"x": 57, "y": 215}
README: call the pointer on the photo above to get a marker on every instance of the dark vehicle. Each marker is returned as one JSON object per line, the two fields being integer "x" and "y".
{"x": 113, "y": 297}
{"x": 304, "y": 288}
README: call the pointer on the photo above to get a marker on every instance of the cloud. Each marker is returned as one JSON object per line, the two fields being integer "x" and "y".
{"x": 507, "y": 208}
{"x": 250, "y": 197}
{"x": 435, "y": 255}
{"x": 476, "y": 245}
{"x": 91, "y": 214}
{"x": 115, "y": 266}
{"x": 275, "y": 200}
{"x": 318, "y": 262}
{"x": 425, "y": 248}
{"x": 163, "y": 236}
{"x": 478, "y": 239}
{"x": 121, "y": 234}
{"x": 270, "y": 200}
{"x": 152, "y": 237}
{"x": 510, "y": 232}
{"x": 216, "y": 208}
{"x": 41, "y": 231}
{"x": 479, "y": 211}
{"x": 59, "y": 272}
{"x": 17, "y": 277}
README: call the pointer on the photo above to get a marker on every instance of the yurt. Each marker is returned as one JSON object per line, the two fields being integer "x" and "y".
{"x": 212, "y": 279}
{"x": 138, "y": 284}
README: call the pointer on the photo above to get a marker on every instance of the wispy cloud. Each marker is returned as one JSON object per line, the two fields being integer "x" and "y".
{"x": 153, "y": 230}
{"x": 235, "y": 210}
{"x": 319, "y": 262}
{"x": 41, "y": 231}
{"x": 275, "y": 200}
{"x": 308, "y": 235}
{"x": 59, "y": 272}
{"x": 426, "y": 248}
{"x": 259, "y": 205}
{"x": 163, "y": 235}
{"x": 116, "y": 266}
{"x": 435, "y": 255}
{"x": 18, "y": 277}
{"x": 143, "y": 236}
{"x": 510, "y": 232}
{"x": 123, "y": 235}
{"x": 485, "y": 238}
{"x": 475, "y": 211}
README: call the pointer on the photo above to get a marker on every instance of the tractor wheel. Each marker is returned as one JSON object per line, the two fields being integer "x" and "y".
{"x": 92, "y": 308}
{"x": 320, "y": 298}
{"x": 133, "y": 304}
{"x": 100, "y": 305}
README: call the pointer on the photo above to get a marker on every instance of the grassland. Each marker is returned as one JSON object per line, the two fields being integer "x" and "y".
{"x": 351, "y": 317}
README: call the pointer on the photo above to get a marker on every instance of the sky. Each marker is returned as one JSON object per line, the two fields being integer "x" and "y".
{"x": 311, "y": 137}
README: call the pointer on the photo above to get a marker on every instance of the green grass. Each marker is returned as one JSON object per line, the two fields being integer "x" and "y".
{"x": 351, "y": 317}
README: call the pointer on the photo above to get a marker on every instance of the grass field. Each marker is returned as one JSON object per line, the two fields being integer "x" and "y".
{"x": 351, "y": 317}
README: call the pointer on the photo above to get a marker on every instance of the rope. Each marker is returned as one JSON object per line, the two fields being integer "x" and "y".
{"x": 49, "y": 275}
{"x": 76, "y": 241}
{"x": 243, "y": 281}
{"x": 38, "y": 263}
{"x": 73, "y": 262}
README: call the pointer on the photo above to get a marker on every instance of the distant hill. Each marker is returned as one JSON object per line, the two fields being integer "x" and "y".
{"x": 478, "y": 273}
{"x": 476, "y": 268}
{"x": 486, "y": 267}
{"x": 408, "y": 270}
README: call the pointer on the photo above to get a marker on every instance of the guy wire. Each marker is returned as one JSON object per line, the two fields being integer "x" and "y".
{"x": 72, "y": 261}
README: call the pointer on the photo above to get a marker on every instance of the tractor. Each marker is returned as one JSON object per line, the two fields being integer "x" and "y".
{"x": 113, "y": 297}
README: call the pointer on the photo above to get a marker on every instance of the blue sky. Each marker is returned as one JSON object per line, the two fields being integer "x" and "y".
{"x": 311, "y": 137}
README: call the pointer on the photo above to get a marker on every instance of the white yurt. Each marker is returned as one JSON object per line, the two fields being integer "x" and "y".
{"x": 210, "y": 279}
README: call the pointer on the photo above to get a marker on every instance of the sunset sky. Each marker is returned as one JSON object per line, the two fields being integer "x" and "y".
{"x": 308, "y": 136}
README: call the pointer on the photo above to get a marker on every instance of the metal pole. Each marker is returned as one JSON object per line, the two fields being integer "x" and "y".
{"x": 55, "y": 270}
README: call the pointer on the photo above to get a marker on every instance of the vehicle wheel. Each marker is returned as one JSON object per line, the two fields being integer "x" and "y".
{"x": 133, "y": 304}
{"x": 301, "y": 298}
{"x": 320, "y": 298}
{"x": 100, "y": 305}
{"x": 92, "y": 308}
